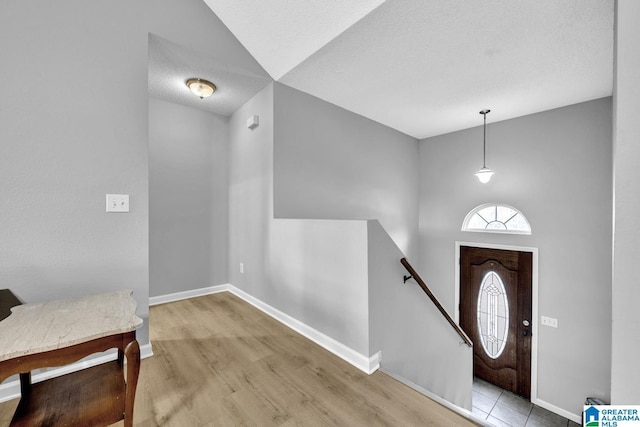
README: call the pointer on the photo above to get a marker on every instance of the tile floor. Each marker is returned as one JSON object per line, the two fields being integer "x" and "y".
{"x": 505, "y": 409}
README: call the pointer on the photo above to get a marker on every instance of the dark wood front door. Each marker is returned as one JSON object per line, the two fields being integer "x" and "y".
{"x": 495, "y": 311}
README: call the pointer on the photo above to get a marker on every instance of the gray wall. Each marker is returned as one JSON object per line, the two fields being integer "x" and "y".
{"x": 318, "y": 274}
{"x": 74, "y": 127}
{"x": 417, "y": 343}
{"x": 330, "y": 163}
{"x": 625, "y": 375}
{"x": 360, "y": 171}
{"x": 251, "y": 196}
{"x": 188, "y": 198}
{"x": 302, "y": 268}
{"x": 555, "y": 167}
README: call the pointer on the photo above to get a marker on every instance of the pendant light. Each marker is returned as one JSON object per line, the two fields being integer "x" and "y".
{"x": 484, "y": 174}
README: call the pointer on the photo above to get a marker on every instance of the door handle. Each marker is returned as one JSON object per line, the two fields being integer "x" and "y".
{"x": 525, "y": 333}
{"x": 525, "y": 322}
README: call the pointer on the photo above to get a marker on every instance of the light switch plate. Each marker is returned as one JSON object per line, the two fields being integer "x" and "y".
{"x": 117, "y": 203}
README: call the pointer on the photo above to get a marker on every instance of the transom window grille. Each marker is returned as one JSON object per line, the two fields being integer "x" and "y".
{"x": 494, "y": 218}
{"x": 493, "y": 315}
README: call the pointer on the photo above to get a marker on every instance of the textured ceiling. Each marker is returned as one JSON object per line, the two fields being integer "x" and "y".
{"x": 171, "y": 65}
{"x": 282, "y": 33}
{"x": 422, "y": 67}
{"x": 428, "y": 67}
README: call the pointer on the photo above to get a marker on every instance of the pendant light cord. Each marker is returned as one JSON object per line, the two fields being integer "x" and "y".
{"x": 484, "y": 139}
{"x": 484, "y": 143}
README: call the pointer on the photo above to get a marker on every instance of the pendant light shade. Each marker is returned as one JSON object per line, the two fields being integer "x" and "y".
{"x": 484, "y": 174}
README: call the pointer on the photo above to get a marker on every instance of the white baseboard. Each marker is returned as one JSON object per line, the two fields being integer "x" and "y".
{"x": 455, "y": 408}
{"x": 11, "y": 389}
{"x": 366, "y": 364}
{"x": 146, "y": 351}
{"x": 374, "y": 362}
{"x": 548, "y": 406}
{"x": 177, "y": 296}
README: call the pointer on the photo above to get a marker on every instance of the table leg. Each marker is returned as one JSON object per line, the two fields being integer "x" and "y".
{"x": 132, "y": 353}
{"x": 25, "y": 383}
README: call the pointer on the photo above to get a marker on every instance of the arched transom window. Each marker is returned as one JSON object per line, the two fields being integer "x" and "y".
{"x": 496, "y": 218}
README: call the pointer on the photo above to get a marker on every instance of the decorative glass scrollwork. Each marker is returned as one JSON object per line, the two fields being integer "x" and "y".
{"x": 493, "y": 315}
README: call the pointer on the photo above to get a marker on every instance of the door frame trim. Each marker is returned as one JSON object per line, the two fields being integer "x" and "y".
{"x": 534, "y": 300}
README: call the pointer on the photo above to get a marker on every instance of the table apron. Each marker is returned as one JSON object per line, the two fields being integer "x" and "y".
{"x": 65, "y": 355}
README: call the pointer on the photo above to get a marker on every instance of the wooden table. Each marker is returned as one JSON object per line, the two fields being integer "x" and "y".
{"x": 60, "y": 332}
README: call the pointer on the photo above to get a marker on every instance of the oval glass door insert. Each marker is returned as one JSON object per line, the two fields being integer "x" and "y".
{"x": 493, "y": 315}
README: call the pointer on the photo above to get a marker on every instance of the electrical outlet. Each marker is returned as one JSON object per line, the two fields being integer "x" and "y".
{"x": 241, "y": 268}
{"x": 117, "y": 203}
{"x": 549, "y": 321}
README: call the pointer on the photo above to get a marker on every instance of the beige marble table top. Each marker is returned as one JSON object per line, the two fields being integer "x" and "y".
{"x": 35, "y": 328}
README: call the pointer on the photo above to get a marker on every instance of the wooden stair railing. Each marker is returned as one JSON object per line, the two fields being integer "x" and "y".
{"x": 433, "y": 298}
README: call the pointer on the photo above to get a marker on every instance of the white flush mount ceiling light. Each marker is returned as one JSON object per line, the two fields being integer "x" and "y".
{"x": 200, "y": 87}
{"x": 484, "y": 174}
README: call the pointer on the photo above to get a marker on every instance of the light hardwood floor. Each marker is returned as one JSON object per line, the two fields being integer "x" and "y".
{"x": 219, "y": 361}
